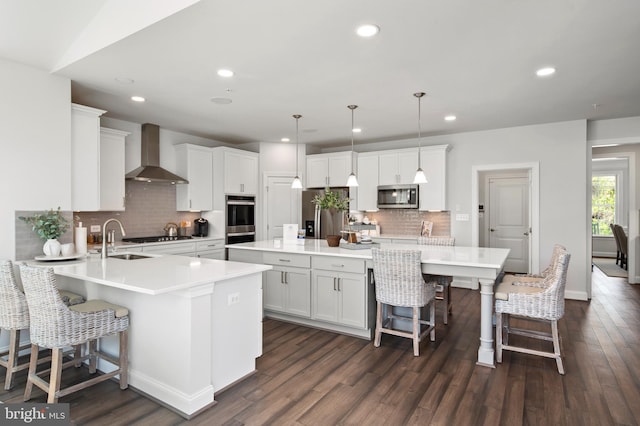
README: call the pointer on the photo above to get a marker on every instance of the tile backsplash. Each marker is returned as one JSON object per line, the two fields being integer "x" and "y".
{"x": 148, "y": 208}
{"x": 409, "y": 221}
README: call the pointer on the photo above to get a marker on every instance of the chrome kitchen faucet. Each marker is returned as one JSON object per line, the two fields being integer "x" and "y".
{"x": 103, "y": 255}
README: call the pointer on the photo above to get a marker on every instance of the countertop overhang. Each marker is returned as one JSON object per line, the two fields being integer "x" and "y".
{"x": 154, "y": 274}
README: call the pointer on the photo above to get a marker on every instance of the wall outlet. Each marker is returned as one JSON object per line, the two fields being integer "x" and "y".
{"x": 95, "y": 228}
{"x": 233, "y": 298}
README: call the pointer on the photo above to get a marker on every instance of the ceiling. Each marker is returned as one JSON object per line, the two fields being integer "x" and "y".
{"x": 476, "y": 60}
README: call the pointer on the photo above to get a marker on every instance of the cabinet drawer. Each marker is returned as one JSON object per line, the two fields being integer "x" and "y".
{"x": 210, "y": 244}
{"x": 172, "y": 248}
{"x": 287, "y": 259}
{"x": 339, "y": 264}
{"x": 245, "y": 256}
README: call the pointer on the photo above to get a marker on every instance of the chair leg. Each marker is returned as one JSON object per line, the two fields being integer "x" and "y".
{"x": 33, "y": 364}
{"x": 556, "y": 346}
{"x": 124, "y": 359}
{"x": 416, "y": 331}
{"x": 77, "y": 356}
{"x": 432, "y": 320}
{"x": 446, "y": 297}
{"x": 498, "y": 337}
{"x": 378, "y": 334}
{"x": 12, "y": 360}
{"x": 56, "y": 375}
{"x": 93, "y": 357}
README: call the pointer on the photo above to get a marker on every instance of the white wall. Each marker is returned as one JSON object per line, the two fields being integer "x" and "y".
{"x": 35, "y": 136}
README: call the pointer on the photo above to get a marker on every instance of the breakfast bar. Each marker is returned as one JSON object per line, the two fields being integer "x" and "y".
{"x": 196, "y": 324}
{"x": 324, "y": 265}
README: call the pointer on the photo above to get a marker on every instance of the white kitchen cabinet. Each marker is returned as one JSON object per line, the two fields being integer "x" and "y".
{"x": 397, "y": 166}
{"x": 195, "y": 163}
{"x": 175, "y": 248}
{"x": 331, "y": 169}
{"x": 367, "y": 193}
{"x": 234, "y": 172}
{"x": 433, "y": 160}
{"x": 211, "y": 249}
{"x": 287, "y": 287}
{"x": 339, "y": 291}
{"x": 97, "y": 162}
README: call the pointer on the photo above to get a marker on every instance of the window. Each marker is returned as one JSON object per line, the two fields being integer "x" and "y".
{"x": 604, "y": 197}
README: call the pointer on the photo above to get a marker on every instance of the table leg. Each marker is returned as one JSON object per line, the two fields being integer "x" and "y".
{"x": 486, "y": 350}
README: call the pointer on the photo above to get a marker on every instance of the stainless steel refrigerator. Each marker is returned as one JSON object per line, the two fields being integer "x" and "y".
{"x": 315, "y": 220}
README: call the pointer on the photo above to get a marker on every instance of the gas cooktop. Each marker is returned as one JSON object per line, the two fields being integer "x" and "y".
{"x": 157, "y": 239}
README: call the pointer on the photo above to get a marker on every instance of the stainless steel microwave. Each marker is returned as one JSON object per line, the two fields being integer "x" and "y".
{"x": 398, "y": 197}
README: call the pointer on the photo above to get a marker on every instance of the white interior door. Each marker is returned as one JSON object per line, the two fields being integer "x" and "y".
{"x": 509, "y": 220}
{"x": 282, "y": 205}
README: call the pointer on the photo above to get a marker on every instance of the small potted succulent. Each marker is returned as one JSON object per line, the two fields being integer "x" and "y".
{"x": 49, "y": 226}
{"x": 335, "y": 204}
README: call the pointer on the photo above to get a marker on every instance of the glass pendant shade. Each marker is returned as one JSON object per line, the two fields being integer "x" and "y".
{"x": 296, "y": 183}
{"x": 352, "y": 180}
{"x": 420, "y": 176}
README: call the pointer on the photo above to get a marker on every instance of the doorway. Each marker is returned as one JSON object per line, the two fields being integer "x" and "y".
{"x": 281, "y": 204}
{"x": 480, "y": 176}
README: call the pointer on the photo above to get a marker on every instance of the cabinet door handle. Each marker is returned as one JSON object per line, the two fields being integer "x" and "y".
{"x": 189, "y": 203}
{"x": 286, "y": 278}
{"x": 284, "y": 260}
{"x": 334, "y": 283}
{"x": 281, "y": 277}
{"x": 335, "y": 265}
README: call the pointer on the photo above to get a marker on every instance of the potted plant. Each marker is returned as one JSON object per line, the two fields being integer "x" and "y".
{"x": 335, "y": 204}
{"x": 49, "y": 226}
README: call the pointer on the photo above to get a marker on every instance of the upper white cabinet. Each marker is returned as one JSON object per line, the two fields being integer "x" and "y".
{"x": 367, "y": 191}
{"x": 234, "y": 172}
{"x": 97, "y": 162}
{"x": 195, "y": 163}
{"x": 433, "y": 194}
{"x": 397, "y": 166}
{"x": 331, "y": 169}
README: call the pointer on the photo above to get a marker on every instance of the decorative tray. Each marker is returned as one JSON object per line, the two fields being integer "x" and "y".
{"x": 59, "y": 258}
{"x": 358, "y": 246}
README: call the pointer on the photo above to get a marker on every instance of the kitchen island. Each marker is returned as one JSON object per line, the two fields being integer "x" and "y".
{"x": 195, "y": 324}
{"x": 333, "y": 287}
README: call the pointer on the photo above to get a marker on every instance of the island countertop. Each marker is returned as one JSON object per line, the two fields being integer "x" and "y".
{"x": 154, "y": 274}
{"x": 443, "y": 255}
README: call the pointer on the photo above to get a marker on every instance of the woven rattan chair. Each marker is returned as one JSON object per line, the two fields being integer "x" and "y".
{"x": 537, "y": 280}
{"x": 543, "y": 303}
{"x": 14, "y": 317}
{"x": 442, "y": 282}
{"x": 56, "y": 326}
{"x": 399, "y": 283}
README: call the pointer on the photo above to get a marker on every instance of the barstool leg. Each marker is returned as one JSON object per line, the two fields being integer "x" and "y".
{"x": 124, "y": 359}
{"x": 12, "y": 360}
{"x": 378, "y": 333}
{"x": 416, "y": 332}
{"x": 56, "y": 375}
{"x": 93, "y": 357}
{"x": 33, "y": 364}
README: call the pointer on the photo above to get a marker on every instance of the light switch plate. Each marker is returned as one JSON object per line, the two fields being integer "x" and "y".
{"x": 95, "y": 228}
{"x": 462, "y": 217}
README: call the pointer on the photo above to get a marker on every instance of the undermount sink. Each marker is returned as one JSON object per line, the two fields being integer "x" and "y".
{"x": 129, "y": 256}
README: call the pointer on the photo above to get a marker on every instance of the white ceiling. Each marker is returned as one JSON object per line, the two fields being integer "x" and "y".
{"x": 475, "y": 59}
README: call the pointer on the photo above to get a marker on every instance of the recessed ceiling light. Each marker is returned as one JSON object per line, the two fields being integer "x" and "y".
{"x": 124, "y": 80}
{"x": 221, "y": 101}
{"x": 138, "y": 99}
{"x": 368, "y": 30}
{"x": 225, "y": 73}
{"x": 357, "y": 130}
{"x": 285, "y": 140}
{"x": 545, "y": 72}
{"x": 450, "y": 118}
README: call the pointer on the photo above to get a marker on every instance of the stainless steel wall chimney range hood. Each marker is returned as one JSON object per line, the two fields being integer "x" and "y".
{"x": 150, "y": 170}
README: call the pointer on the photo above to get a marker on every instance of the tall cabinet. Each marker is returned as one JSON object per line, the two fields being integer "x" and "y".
{"x": 234, "y": 172}
{"x": 97, "y": 162}
{"x": 195, "y": 163}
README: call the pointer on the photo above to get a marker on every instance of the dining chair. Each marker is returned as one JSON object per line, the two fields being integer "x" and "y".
{"x": 537, "y": 280}
{"x": 441, "y": 282}
{"x": 526, "y": 302}
{"x": 56, "y": 326}
{"x": 617, "y": 240}
{"x": 399, "y": 283}
{"x": 623, "y": 240}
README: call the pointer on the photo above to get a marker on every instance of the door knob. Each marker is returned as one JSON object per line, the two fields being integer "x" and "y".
{"x": 491, "y": 229}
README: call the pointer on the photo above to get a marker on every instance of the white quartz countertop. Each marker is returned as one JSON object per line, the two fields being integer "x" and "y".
{"x": 455, "y": 255}
{"x": 155, "y": 274}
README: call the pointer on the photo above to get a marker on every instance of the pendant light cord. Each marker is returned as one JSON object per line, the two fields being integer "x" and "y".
{"x": 352, "y": 108}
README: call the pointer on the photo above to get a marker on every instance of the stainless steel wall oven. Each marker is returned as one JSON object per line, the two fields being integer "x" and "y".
{"x": 240, "y": 219}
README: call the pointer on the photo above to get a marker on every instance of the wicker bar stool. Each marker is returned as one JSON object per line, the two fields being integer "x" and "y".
{"x": 14, "y": 317}
{"x": 540, "y": 302}
{"x": 399, "y": 282}
{"x": 537, "y": 280}
{"x": 56, "y": 326}
{"x": 442, "y": 282}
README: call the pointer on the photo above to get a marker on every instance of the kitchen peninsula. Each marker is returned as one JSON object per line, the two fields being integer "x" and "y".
{"x": 332, "y": 287}
{"x": 196, "y": 324}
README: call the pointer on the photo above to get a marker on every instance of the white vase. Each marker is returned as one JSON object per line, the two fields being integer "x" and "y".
{"x": 51, "y": 247}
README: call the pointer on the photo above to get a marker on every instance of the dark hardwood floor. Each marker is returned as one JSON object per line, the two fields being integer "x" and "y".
{"x": 313, "y": 377}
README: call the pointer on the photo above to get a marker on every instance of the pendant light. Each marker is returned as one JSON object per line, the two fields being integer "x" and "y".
{"x": 297, "y": 183}
{"x": 352, "y": 180}
{"x": 420, "y": 177}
